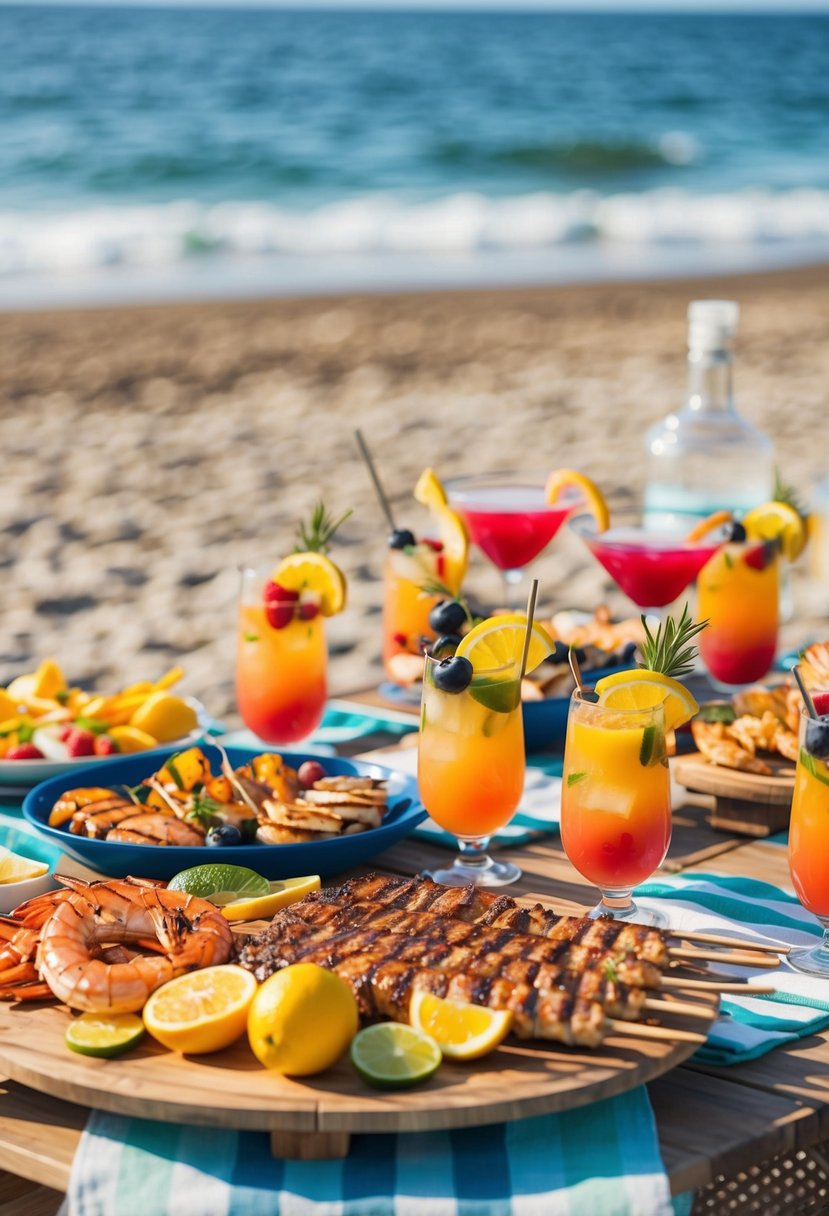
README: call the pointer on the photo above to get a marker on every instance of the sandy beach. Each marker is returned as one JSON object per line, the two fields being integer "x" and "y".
{"x": 150, "y": 451}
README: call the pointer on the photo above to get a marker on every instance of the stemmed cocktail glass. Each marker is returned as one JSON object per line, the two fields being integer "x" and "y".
{"x": 615, "y": 801}
{"x": 510, "y": 519}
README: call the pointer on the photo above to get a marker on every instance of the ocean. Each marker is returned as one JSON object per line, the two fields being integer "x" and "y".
{"x": 148, "y": 152}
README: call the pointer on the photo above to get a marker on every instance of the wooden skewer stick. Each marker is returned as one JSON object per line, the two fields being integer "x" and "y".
{"x": 719, "y": 939}
{"x": 685, "y": 1008}
{"x": 735, "y": 957}
{"x": 373, "y": 474}
{"x": 670, "y": 982}
{"x": 529, "y": 633}
{"x": 641, "y": 1030}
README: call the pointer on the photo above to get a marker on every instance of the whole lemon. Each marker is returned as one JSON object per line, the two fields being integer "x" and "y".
{"x": 301, "y": 1020}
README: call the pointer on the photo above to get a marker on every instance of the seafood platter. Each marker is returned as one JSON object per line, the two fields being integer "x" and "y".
{"x": 157, "y": 814}
{"x": 747, "y": 748}
{"x": 573, "y": 1009}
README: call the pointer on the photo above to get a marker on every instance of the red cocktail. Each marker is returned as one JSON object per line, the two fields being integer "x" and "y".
{"x": 652, "y": 568}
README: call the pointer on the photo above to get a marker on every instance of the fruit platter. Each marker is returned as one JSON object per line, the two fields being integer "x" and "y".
{"x": 380, "y": 1004}
{"x": 155, "y": 814}
{"x": 46, "y": 725}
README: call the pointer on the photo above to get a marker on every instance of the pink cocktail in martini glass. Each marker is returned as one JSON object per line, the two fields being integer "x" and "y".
{"x": 652, "y": 568}
{"x": 509, "y": 519}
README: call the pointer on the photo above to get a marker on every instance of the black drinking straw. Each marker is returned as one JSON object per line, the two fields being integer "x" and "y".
{"x": 804, "y": 692}
{"x": 381, "y": 494}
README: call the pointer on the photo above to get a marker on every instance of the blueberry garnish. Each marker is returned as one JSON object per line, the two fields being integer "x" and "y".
{"x": 560, "y": 651}
{"x": 735, "y": 532}
{"x": 401, "y": 538}
{"x": 223, "y": 834}
{"x": 445, "y": 646}
{"x": 449, "y": 616}
{"x": 817, "y": 738}
{"x": 453, "y": 674}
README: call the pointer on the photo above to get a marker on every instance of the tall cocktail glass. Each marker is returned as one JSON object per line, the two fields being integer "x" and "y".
{"x": 280, "y": 672}
{"x": 470, "y": 768}
{"x": 615, "y": 801}
{"x": 739, "y": 596}
{"x": 809, "y": 839}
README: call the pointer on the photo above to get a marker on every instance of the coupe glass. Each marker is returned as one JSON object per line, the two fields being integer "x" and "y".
{"x": 509, "y": 519}
{"x": 470, "y": 768}
{"x": 652, "y": 567}
{"x": 809, "y": 841}
{"x": 281, "y": 682}
{"x": 616, "y": 801}
{"x": 739, "y": 596}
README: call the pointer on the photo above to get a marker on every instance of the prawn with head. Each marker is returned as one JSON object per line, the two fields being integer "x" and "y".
{"x": 74, "y": 944}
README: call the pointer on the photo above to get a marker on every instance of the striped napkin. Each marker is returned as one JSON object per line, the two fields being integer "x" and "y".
{"x": 539, "y": 811}
{"x": 747, "y": 908}
{"x": 602, "y": 1158}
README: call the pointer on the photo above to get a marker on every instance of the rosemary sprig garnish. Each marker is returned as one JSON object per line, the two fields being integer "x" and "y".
{"x": 785, "y": 492}
{"x": 669, "y": 650}
{"x": 205, "y": 810}
{"x": 317, "y": 534}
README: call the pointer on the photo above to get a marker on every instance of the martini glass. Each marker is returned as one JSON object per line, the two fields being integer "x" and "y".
{"x": 509, "y": 519}
{"x": 651, "y": 567}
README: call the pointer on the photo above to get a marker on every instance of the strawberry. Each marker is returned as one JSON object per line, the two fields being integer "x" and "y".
{"x": 400, "y": 639}
{"x": 308, "y": 611}
{"x": 80, "y": 742}
{"x": 64, "y": 733}
{"x": 435, "y": 545}
{"x": 24, "y": 751}
{"x": 279, "y": 604}
{"x": 104, "y": 746}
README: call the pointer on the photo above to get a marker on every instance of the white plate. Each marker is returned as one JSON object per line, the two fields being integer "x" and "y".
{"x": 27, "y": 773}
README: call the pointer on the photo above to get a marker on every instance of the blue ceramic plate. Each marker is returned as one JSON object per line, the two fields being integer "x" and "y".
{"x": 117, "y": 858}
{"x": 545, "y": 722}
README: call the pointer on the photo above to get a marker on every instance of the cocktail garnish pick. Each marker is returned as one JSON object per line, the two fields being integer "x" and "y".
{"x": 381, "y": 493}
{"x": 576, "y": 670}
{"x": 804, "y": 692}
{"x": 530, "y": 614}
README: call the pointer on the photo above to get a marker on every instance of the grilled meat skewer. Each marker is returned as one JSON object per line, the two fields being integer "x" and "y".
{"x": 481, "y": 939}
{"x": 289, "y": 938}
{"x": 473, "y": 905}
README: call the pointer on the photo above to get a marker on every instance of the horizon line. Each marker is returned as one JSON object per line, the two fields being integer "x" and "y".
{"x": 500, "y": 7}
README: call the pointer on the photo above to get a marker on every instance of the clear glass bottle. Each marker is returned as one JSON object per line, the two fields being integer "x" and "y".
{"x": 706, "y": 457}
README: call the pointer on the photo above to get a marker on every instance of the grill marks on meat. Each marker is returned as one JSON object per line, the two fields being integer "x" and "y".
{"x": 499, "y": 911}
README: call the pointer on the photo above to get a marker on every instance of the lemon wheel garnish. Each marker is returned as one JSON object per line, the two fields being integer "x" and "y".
{"x": 314, "y": 572}
{"x": 461, "y": 1031}
{"x": 568, "y": 479}
{"x": 700, "y": 530}
{"x": 499, "y": 641}
{"x": 451, "y": 529}
{"x": 640, "y": 689}
{"x": 777, "y": 520}
{"x": 202, "y": 1011}
{"x": 282, "y": 893}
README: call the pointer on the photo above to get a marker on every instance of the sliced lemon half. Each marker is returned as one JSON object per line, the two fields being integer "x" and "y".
{"x": 700, "y": 530}
{"x": 202, "y": 1011}
{"x": 461, "y": 1031}
{"x": 283, "y": 892}
{"x": 641, "y": 689}
{"x": 499, "y": 641}
{"x": 314, "y": 572}
{"x": 568, "y": 479}
{"x": 777, "y": 520}
{"x": 452, "y": 532}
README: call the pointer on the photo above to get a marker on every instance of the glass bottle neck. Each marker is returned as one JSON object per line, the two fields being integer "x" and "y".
{"x": 710, "y": 382}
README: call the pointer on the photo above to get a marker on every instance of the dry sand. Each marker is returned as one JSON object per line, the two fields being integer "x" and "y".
{"x": 150, "y": 451}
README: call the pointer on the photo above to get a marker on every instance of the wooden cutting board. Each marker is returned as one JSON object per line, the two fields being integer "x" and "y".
{"x": 315, "y": 1117}
{"x": 743, "y": 802}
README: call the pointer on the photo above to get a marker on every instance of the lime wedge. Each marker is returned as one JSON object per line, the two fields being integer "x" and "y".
{"x": 220, "y": 883}
{"x": 394, "y": 1056}
{"x": 105, "y": 1035}
{"x": 501, "y": 695}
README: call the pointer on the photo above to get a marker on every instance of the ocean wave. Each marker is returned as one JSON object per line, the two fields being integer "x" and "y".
{"x": 165, "y": 234}
{"x": 584, "y": 156}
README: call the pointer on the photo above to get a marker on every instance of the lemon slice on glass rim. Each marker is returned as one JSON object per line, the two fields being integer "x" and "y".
{"x": 594, "y": 501}
{"x": 777, "y": 521}
{"x": 642, "y": 689}
{"x": 452, "y": 533}
{"x": 313, "y": 572}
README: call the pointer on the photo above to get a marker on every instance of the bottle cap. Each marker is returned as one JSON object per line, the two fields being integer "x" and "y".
{"x": 712, "y": 324}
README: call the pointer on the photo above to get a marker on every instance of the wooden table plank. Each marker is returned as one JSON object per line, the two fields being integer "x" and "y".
{"x": 38, "y": 1135}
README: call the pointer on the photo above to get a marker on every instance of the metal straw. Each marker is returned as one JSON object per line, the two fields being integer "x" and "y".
{"x": 381, "y": 494}
{"x": 804, "y": 692}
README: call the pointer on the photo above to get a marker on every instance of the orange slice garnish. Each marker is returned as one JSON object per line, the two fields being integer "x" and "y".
{"x": 702, "y": 529}
{"x": 568, "y": 479}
